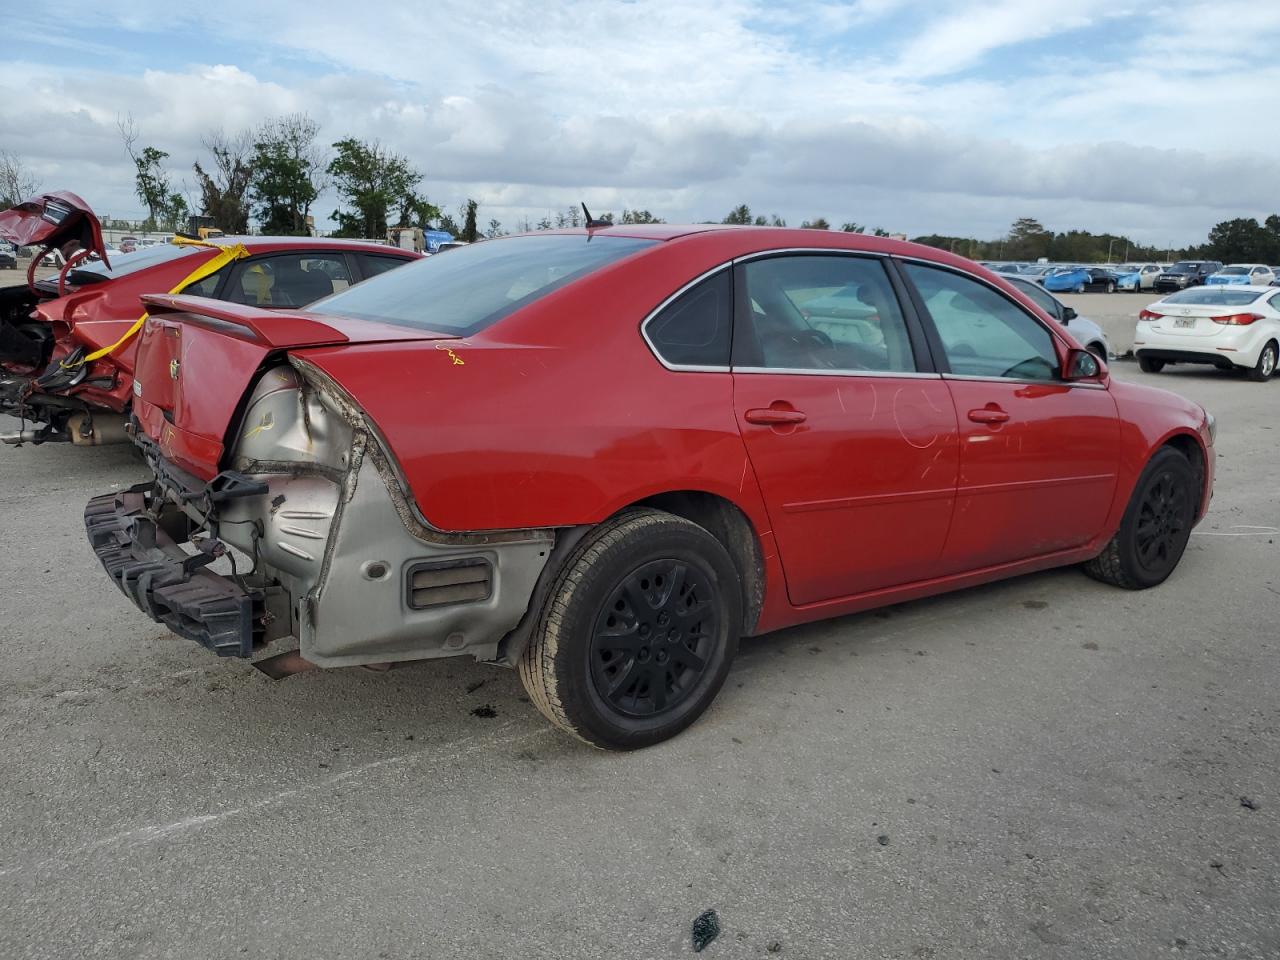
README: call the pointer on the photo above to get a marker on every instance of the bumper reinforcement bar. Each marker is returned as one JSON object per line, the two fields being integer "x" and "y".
{"x": 166, "y": 583}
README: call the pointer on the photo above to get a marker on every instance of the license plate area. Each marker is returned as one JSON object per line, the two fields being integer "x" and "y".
{"x": 1184, "y": 321}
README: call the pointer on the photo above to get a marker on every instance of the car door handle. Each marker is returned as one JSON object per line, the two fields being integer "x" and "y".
{"x": 988, "y": 415}
{"x": 773, "y": 416}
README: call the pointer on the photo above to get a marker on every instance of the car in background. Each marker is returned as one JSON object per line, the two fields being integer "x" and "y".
{"x": 1229, "y": 327}
{"x": 1241, "y": 274}
{"x": 1083, "y": 329}
{"x": 8, "y": 256}
{"x": 1066, "y": 279}
{"x": 1137, "y": 277}
{"x": 68, "y": 341}
{"x": 1275, "y": 272}
{"x": 1101, "y": 279}
{"x": 581, "y": 455}
{"x": 128, "y": 244}
{"x": 1186, "y": 273}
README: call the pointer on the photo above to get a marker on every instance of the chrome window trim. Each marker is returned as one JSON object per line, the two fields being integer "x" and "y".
{"x": 644, "y": 326}
{"x": 836, "y": 251}
{"x": 1037, "y": 383}
{"x": 805, "y": 372}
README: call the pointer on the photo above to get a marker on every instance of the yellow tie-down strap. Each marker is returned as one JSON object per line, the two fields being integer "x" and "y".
{"x": 225, "y": 255}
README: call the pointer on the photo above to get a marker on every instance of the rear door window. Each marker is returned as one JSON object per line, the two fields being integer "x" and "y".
{"x": 373, "y": 264}
{"x": 288, "y": 279}
{"x": 811, "y": 312}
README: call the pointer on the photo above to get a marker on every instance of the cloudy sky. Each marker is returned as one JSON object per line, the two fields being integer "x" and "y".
{"x": 1152, "y": 119}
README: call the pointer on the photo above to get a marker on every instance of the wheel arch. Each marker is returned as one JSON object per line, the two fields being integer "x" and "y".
{"x": 718, "y": 515}
{"x": 1191, "y": 447}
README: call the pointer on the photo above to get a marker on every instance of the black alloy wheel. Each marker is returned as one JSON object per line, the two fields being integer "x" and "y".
{"x": 1164, "y": 519}
{"x": 1156, "y": 525}
{"x": 653, "y": 638}
{"x": 637, "y": 633}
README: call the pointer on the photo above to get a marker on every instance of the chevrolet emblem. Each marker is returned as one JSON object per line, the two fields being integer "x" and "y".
{"x": 173, "y": 369}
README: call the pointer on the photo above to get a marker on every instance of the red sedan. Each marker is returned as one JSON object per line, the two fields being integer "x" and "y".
{"x": 68, "y": 346}
{"x": 603, "y": 456}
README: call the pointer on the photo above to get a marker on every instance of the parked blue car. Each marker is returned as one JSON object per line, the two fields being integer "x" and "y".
{"x": 1128, "y": 278}
{"x": 1067, "y": 280}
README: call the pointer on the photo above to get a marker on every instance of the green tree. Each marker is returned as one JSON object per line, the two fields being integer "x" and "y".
{"x": 224, "y": 188}
{"x": 495, "y": 230}
{"x": 1241, "y": 240}
{"x": 740, "y": 214}
{"x": 818, "y": 223}
{"x": 852, "y": 227}
{"x": 151, "y": 181}
{"x": 287, "y": 174}
{"x": 371, "y": 180}
{"x": 640, "y": 216}
{"x": 1027, "y": 240}
{"x": 468, "y": 212}
{"x": 450, "y": 226}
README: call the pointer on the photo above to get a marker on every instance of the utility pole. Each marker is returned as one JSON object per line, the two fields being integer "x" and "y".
{"x": 1109, "y": 243}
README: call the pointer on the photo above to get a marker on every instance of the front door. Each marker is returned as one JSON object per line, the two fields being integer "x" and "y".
{"x": 1038, "y": 456}
{"x": 853, "y": 444}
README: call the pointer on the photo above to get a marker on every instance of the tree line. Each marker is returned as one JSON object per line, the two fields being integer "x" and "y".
{"x": 273, "y": 175}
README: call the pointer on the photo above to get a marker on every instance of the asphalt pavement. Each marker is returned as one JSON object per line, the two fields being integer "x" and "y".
{"x": 1046, "y": 767}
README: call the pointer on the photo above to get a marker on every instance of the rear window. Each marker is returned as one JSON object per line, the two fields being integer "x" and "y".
{"x": 1233, "y": 271}
{"x": 1214, "y": 297}
{"x": 479, "y": 284}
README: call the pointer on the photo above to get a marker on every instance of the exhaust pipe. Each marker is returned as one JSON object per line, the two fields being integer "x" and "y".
{"x": 18, "y": 438}
{"x": 98, "y": 430}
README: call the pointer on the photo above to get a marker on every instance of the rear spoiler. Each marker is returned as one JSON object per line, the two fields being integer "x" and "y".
{"x": 271, "y": 328}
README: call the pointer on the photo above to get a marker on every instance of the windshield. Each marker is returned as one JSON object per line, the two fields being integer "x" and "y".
{"x": 468, "y": 289}
{"x": 1215, "y": 297}
{"x": 1234, "y": 271}
{"x": 1038, "y": 271}
{"x": 129, "y": 263}
{"x": 1185, "y": 266}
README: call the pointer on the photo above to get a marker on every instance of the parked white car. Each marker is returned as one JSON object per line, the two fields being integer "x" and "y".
{"x": 1226, "y": 326}
{"x": 1088, "y": 333}
{"x": 1242, "y": 274}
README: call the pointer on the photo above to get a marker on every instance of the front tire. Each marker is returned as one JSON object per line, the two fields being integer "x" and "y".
{"x": 1156, "y": 525}
{"x": 1150, "y": 365}
{"x": 1266, "y": 364}
{"x": 1111, "y": 287}
{"x": 638, "y": 632}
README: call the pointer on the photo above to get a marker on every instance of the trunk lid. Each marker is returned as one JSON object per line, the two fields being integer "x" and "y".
{"x": 197, "y": 358}
{"x": 54, "y": 220}
{"x": 1192, "y": 320}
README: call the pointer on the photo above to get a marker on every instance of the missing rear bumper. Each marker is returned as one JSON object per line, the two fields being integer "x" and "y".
{"x": 168, "y": 585}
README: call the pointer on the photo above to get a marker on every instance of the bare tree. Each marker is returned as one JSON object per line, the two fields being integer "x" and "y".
{"x": 224, "y": 188}
{"x": 17, "y": 182}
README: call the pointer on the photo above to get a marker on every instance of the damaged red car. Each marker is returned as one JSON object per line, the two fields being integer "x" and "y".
{"x": 603, "y": 456}
{"x": 68, "y": 342}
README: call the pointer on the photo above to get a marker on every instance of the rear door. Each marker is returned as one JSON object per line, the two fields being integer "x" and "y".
{"x": 851, "y": 433}
{"x": 1038, "y": 456}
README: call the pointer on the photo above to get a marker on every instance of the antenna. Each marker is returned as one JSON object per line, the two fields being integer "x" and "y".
{"x": 593, "y": 224}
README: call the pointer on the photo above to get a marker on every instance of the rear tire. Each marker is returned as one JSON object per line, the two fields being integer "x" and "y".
{"x": 1266, "y": 364}
{"x": 1111, "y": 287}
{"x": 1156, "y": 525}
{"x": 1150, "y": 365}
{"x": 638, "y": 632}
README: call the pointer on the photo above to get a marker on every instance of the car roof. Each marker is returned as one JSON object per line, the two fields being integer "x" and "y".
{"x": 315, "y": 243}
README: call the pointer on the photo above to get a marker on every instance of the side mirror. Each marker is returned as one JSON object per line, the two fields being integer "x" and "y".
{"x": 1083, "y": 365}
{"x": 1069, "y": 314}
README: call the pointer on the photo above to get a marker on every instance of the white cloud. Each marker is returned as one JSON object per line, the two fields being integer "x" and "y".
{"x": 689, "y": 109}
